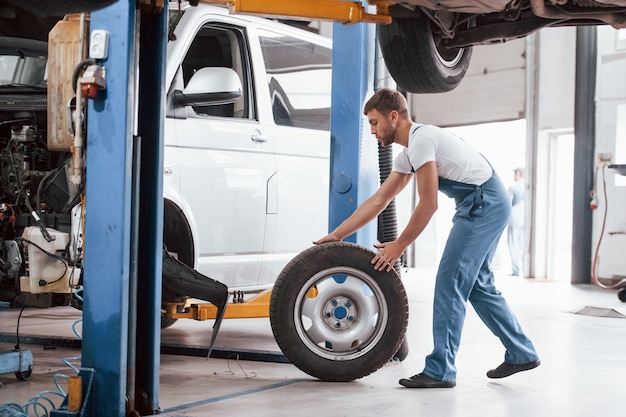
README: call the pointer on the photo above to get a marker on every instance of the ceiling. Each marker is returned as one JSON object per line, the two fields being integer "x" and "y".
{"x": 33, "y": 19}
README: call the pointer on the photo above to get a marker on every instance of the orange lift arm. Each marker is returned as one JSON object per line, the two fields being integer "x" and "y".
{"x": 339, "y": 11}
{"x": 257, "y": 306}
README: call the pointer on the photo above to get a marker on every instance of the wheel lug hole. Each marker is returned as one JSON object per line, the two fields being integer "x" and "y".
{"x": 350, "y": 318}
{"x": 328, "y": 314}
{"x": 338, "y": 325}
{"x": 334, "y": 302}
{"x": 348, "y": 304}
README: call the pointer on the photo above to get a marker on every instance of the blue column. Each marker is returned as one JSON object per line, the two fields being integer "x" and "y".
{"x": 151, "y": 118}
{"x": 353, "y": 163}
{"x": 108, "y": 219}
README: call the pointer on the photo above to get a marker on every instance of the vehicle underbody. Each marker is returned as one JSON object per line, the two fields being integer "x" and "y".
{"x": 466, "y": 23}
{"x": 428, "y": 45}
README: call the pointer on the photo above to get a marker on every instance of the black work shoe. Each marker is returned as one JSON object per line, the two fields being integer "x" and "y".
{"x": 506, "y": 369}
{"x": 424, "y": 381}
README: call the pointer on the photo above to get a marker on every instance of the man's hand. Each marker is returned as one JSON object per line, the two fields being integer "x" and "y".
{"x": 387, "y": 256}
{"x": 328, "y": 238}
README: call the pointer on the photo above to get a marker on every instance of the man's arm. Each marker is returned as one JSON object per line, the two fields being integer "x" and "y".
{"x": 370, "y": 208}
{"x": 427, "y": 189}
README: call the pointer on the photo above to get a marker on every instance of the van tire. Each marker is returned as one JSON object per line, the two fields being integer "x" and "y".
{"x": 167, "y": 322}
{"x": 334, "y": 316}
{"x": 177, "y": 238}
{"x": 416, "y": 60}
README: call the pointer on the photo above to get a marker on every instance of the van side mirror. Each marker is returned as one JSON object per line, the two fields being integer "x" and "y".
{"x": 210, "y": 86}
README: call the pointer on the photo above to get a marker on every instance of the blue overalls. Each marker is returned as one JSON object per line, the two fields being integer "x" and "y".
{"x": 464, "y": 274}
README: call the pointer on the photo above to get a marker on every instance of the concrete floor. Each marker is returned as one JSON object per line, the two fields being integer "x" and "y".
{"x": 583, "y": 371}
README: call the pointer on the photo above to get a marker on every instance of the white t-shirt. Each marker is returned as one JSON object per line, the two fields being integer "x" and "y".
{"x": 456, "y": 160}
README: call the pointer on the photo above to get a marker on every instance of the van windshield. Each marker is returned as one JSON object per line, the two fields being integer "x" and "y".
{"x": 23, "y": 62}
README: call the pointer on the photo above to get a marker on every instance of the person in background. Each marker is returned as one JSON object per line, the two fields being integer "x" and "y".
{"x": 441, "y": 161}
{"x": 515, "y": 229}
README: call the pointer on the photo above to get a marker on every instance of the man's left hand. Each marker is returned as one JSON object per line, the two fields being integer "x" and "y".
{"x": 387, "y": 255}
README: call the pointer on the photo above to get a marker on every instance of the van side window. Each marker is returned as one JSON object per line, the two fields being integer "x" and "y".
{"x": 220, "y": 46}
{"x": 299, "y": 79}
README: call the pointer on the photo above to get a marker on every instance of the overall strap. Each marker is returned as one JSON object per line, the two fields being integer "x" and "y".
{"x": 413, "y": 130}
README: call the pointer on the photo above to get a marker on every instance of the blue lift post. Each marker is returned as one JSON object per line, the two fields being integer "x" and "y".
{"x": 152, "y": 63}
{"x": 123, "y": 257}
{"x": 108, "y": 215}
{"x": 353, "y": 155}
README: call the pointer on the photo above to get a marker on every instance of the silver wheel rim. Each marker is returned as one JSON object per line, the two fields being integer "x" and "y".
{"x": 444, "y": 56}
{"x": 340, "y": 313}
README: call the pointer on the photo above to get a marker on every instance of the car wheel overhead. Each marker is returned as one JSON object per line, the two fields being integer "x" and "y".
{"x": 417, "y": 60}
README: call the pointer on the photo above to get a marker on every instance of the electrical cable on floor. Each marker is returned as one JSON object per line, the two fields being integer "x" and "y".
{"x": 40, "y": 404}
{"x": 230, "y": 371}
{"x": 594, "y": 269}
{"x": 17, "y": 328}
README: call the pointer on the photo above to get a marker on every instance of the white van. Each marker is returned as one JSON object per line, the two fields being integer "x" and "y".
{"x": 245, "y": 183}
{"x": 245, "y": 177}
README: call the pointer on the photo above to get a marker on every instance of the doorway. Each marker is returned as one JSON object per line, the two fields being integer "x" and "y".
{"x": 560, "y": 206}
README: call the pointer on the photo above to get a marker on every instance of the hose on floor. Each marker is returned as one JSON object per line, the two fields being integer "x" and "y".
{"x": 42, "y": 403}
{"x": 594, "y": 268}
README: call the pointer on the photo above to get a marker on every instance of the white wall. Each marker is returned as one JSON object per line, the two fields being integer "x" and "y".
{"x": 556, "y": 78}
{"x": 555, "y": 94}
{"x": 492, "y": 90}
{"x": 611, "y": 140}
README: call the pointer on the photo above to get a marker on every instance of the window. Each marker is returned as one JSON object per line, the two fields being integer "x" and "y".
{"x": 299, "y": 79}
{"x": 220, "y": 46}
{"x": 23, "y": 70}
{"x": 620, "y": 39}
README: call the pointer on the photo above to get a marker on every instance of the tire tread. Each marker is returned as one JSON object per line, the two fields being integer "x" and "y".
{"x": 318, "y": 258}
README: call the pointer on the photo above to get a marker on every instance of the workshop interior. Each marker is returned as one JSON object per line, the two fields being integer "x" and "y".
{"x": 165, "y": 168}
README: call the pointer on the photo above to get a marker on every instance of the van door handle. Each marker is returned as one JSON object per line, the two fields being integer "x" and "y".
{"x": 258, "y": 137}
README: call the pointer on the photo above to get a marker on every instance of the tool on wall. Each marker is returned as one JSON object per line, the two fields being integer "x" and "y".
{"x": 621, "y": 284}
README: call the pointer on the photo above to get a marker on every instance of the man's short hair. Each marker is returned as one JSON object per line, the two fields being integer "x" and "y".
{"x": 386, "y": 100}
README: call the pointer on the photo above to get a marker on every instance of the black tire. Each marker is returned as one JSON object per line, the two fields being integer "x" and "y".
{"x": 403, "y": 352}
{"x": 621, "y": 294}
{"x": 61, "y": 7}
{"x": 177, "y": 239}
{"x": 167, "y": 322}
{"x": 417, "y": 61}
{"x": 334, "y": 316}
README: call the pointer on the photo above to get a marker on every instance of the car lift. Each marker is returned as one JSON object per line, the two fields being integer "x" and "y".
{"x": 123, "y": 140}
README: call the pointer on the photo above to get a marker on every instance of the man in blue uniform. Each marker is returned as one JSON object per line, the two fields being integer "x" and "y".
{"x": 444, "y": 162}
{"x": 515, "y": 230}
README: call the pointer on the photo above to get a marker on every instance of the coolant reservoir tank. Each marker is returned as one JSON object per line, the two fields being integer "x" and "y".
{"x": 67, "y": 47}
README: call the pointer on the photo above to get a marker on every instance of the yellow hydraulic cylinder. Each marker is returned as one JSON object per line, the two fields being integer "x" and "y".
{"x": 255, "y": 307}
{"x": 346, "y": 12}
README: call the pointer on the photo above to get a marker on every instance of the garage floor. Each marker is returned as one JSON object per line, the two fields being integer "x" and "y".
{"x": 583, "y": 371}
